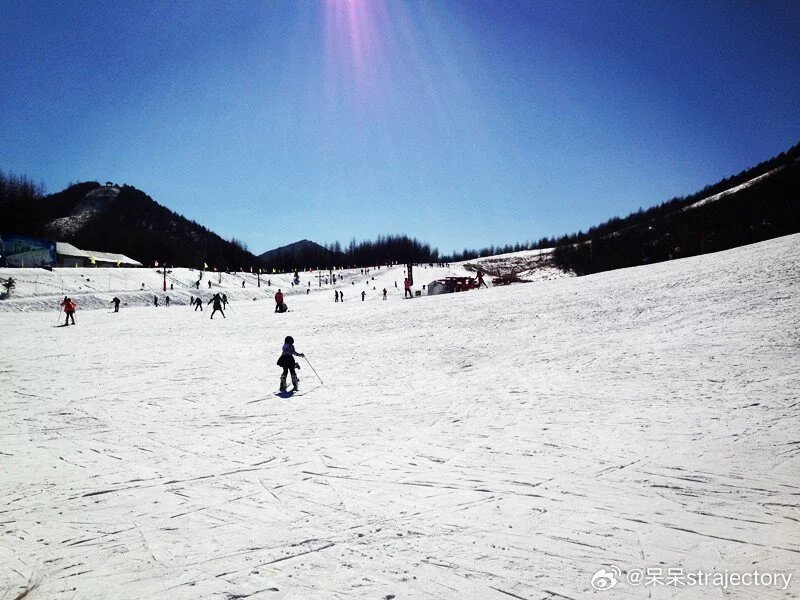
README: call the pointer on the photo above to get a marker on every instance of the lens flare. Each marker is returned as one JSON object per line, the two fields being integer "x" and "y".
{"x": 353, "y": 48}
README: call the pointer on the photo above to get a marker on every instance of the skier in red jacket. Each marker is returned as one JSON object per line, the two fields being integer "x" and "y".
{"x": 69, "y": 309}
{"x": 278, "y": 300}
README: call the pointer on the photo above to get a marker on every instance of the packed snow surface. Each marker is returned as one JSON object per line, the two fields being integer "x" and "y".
{"x": 492, "y": 444}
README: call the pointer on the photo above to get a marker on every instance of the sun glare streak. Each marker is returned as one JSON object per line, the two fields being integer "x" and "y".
{"x": 353, "y": 43}
{"x": 396, "y": 88}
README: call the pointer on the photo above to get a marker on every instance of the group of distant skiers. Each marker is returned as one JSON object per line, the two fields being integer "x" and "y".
{"x": 220, "y": 302}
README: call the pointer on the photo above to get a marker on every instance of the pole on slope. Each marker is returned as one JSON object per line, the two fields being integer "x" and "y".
{"x": 315, "y": 371}
{"x": 60, "y": 310}
{"x": 164, "y": 269}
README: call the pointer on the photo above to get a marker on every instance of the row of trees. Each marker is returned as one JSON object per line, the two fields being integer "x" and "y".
{"x": 470, "y": 254}
{"x": 764, "y": 210}
{"x": 143, "y": 229}
{"x": 636, "y": 239}
{"x": 18, "y": 188}
{"x": 385, "y": 249}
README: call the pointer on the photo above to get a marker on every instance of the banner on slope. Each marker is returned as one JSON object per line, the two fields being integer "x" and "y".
{"x": 24, "y": 251}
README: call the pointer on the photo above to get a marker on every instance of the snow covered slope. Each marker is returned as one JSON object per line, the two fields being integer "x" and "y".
{"x": 93, "y": 288}
{"x": 493, "y": 444}
{"x": 529, "y": 265}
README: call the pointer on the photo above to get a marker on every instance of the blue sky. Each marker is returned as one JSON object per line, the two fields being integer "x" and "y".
{"x": 464, "y": 123}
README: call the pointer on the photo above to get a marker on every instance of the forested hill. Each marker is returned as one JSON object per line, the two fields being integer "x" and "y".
{"x": 386, "y": 249}
{"x": 757, "y": 204}
{"x": 123, "y": 219}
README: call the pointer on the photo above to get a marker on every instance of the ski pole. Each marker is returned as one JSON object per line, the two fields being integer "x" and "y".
{"x": 313, "y": 369}
{"x": 59, "y": 315}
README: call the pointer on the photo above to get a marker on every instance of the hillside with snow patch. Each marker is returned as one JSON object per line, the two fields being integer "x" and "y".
{"x": 528, "y": 265}
{"x": 91, "y": 206}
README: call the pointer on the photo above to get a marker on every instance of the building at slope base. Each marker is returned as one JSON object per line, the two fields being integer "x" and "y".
{"x": 26, "y": 251}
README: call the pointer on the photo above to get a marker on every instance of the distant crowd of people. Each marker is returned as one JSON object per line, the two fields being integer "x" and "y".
{"x": 219, "y": 301}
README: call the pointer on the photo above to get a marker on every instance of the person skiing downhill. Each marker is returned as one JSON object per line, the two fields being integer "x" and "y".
{"x": 287, "y": 362}
{"x": 116, "y": 302}
{"x": 217, "y": 300}
{"x": 69, "y": 309}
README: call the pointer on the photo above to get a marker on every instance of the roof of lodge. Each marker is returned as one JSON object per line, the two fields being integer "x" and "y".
{"x": 65, "y": 249}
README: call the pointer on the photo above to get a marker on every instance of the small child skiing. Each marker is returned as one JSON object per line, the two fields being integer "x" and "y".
{"x": 287, "y": 362}
{"x": 69, "y": 309}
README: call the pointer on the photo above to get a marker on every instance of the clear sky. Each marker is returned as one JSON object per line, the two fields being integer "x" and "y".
{"x": 463, "y": 122}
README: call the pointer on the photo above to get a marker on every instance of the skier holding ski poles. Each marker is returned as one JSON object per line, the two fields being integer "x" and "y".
{"x": 287, "y": 362}
{"x": 217, "y": 305}
{"x": 69, "y": 306}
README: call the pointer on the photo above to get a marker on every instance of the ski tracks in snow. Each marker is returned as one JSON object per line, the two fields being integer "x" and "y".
{"x": 493, "y": 444}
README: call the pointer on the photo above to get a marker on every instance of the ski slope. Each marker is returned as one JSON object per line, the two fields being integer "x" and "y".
{"x": 42, "y": 290}
{"x": 493, "y": 444}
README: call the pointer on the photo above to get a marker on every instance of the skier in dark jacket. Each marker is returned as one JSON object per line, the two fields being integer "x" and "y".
{"x": 198, "y": 304}
{"x": 116, "y": 302}
{"x": 287, "y": 362}
{"x": 217, "y": 300}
